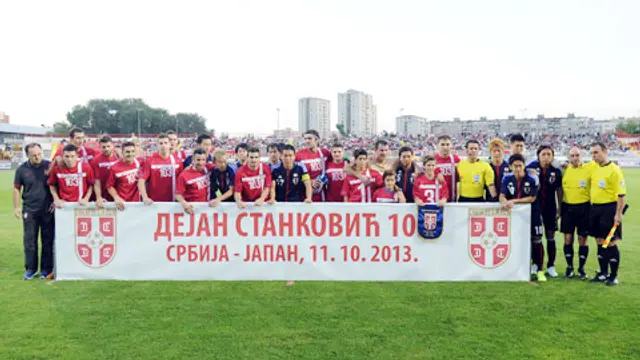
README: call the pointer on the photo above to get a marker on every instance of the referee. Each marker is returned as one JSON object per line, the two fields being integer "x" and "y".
{"x": 37, "y": 212}
{"x": 607, "y": 202}
{"x": 576, "y": 185}
{"x": 474, "y": 175}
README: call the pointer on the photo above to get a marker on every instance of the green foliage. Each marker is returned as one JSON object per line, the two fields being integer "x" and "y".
{"x": 112, "y": 116}
{"x": 340, "y": 128}
{"x": 630, "y": 126}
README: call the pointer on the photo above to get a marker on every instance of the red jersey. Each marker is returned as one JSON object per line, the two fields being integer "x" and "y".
{"x": 383, "y": 195}
{"x": 447, "y": 167}
{"x": 250, "y": 183}
{"x": 100, "y": 166}
{"x": 180, "y": 155}
{"x": 85, "y": 154}
{"x": 161, "y": 176}
{"x": 124, "y": 178}
{"x": 72, "y": 183}
{"x": 356, "y": 192}
{"x": 315, "y": 163}
{"x": 335, "y": 177}
{"x": 429, "y": 190}
{"x": 194, "y": 185}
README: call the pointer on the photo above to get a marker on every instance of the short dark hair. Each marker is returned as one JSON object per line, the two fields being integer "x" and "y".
{"x": 105, "y": 139}
{"x": 337, "y": 145}
{"x": 74, "y": 131}
{"x": 253, "y": 150}
{"x": 289, "y": 147}
{"x": 162, "y": 136}
{"x": 380, "y": 143}
{"x": 443, "y": 137}
{"x": 171, "y": 132}
{"x": 516, "y": 157}
{"x": 428, "y": 158}
{"x": 359, "y": 152}
{"x": 279, "y": 148}
{"x": 199, "y": 152}
{"x": 70, "y": 147}
{"x": 545, "y": 147}
{"x": 466, "y": 146}
{"x": 405, "y": 149}
{"x": 203, "y": 137}
{"x": 242, "y": 146}
{"x": 601, "y": 144}
{"x": 31, "y": 145}
{"x": 388, "y": 173}
{"x": 127, "y": 144}
{"x": 312, "y": 132}
{"x": 516, "y": 138}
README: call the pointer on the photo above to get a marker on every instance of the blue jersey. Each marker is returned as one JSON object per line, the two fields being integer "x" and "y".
{"x": 513, "y": 188}
{"x": 404, "y": 180}
{"x": 273, "y": 167}
{"x": 236, "y": 165}
{"x": 289, "y": 183}
{"x": 221, "y": 181}
{"x": 549, "y": 181}
{"x": 189, "y": 160}
{"x": 499, "y": 172}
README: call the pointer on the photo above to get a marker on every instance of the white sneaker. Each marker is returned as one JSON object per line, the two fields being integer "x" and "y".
{"x": 534, "y": 269}
{"x": 552, "y": 272}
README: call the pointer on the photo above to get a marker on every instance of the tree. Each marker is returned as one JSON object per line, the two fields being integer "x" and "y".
{"x": 112, "y": 116}
{"x": 630, "y": 126}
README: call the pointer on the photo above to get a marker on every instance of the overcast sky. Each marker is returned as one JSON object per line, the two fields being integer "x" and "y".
{"x": 236, "y": 61}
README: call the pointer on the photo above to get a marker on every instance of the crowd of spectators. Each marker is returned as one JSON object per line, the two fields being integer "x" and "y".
{"x": 422, "y": 144}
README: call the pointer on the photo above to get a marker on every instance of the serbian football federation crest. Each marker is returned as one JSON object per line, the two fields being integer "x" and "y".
{"x": 430, "y": 221}
{"x": 96, "y": 236}
{"x": 489, "y": 236}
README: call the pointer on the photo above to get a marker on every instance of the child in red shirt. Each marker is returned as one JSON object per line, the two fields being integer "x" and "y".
{"x": 390, "y": 193}
{"x": 353, "y": 190}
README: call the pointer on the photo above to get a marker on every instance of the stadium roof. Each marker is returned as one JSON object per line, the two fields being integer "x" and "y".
{"x": 23, "y": 129}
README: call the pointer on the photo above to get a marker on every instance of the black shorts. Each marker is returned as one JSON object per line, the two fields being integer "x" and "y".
{"x": 549, "y": 219}
{"x": 575, "y": 216}
{"x": 601, "y": 217}
{"x": 463, "y": 199}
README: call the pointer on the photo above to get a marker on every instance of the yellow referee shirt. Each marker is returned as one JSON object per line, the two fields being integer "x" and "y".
{"x": 474, "y": 176}
{"x": 576, "y": 184}
{"x": 607, "y": 183}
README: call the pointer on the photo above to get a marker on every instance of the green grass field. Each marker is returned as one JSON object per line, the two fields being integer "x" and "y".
{"x": 561, "y": 319}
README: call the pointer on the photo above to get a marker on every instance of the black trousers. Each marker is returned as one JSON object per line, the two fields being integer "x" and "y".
{"x": 41, "y": 222}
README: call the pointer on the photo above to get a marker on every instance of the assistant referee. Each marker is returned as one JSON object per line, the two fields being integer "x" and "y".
{"x": 576, "y": 187}
{"x": 607, "y": 202}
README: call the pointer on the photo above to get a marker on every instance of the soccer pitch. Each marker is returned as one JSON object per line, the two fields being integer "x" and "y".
{"x": 560, "y": 319}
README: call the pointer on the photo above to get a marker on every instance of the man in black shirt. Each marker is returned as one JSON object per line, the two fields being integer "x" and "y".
{"x": 37, "y": 212}
{"x": 291, "y": 181}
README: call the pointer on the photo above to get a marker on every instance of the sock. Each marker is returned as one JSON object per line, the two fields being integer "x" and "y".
{"x": 536, "y": 253}
{"x": 568, "y": 254}
{"x": 614, "y": 260}
{"x": 551, "y": 252}
{"x": 602, "y": 261}
{"x": 583, "y": 253}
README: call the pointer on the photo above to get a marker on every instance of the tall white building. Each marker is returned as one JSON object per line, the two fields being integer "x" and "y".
{"x": 411, "y": 125}
{"x": 357, "y": 113}
{"x": 314, "y": 114}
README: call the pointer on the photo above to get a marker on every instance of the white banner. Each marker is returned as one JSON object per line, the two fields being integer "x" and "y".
{"x": 336, "y": 241}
